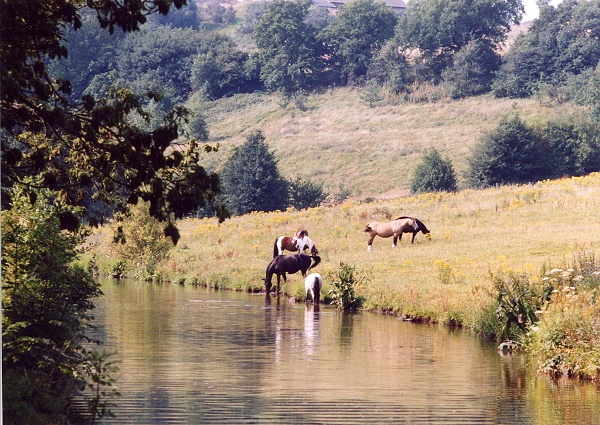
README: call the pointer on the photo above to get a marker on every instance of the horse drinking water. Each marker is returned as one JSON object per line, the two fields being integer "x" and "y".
{"x": 282, "y": 264}
{"x": 312, "y": 286}
{"x": 395, "y": 228}
{"x": 298, "y": 243}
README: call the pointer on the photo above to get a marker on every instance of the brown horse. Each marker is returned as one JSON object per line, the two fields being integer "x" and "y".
{"x": 283, "y": 264}
{"x": 396, "y": 228}
{"x": 298, "y": 243}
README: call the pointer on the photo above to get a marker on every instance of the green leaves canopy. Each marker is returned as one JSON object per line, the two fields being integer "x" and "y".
{"x": 89, "y": 151}
{"x": 440, "y": 28}
{"x": 287, "y": 46}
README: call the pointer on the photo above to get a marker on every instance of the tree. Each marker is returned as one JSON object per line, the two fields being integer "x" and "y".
{"x": 251, "y": 180}
{"x": 438, "y": 29}
{"x": 88, "y": 150}
{"x": 563, "y": 42}
{"x": 58, "y": 153}
{"x": 472, "y": 70}
{"x": 433, "y": 174}
{"x": 358, "y": 33}
{"x": 511, "y": 153}
{"x": 220, "y": 69}
{"x": 288, "y": 50}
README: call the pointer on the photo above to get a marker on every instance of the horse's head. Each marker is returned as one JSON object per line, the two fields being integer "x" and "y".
{"x": 368, "y": 228}
{"x": 301, "y": 233}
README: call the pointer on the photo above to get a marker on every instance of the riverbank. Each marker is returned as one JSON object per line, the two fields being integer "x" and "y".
{"x": 446, "y": 280}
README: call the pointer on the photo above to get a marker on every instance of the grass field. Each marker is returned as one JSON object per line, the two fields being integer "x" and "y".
{"x": 445, "y": 279}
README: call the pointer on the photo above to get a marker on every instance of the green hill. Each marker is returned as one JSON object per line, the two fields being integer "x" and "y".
{"x": 337, "y": 139}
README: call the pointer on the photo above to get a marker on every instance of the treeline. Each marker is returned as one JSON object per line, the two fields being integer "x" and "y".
{"x": 295, "y": 47}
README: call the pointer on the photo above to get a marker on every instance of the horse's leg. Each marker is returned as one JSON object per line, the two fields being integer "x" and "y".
{"x": 370, "y": 243}
{"x": 413, "y": 238}
{"x": 395, "y": 240}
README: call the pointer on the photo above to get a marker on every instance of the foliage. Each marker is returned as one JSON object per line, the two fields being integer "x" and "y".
{"x": 45, "y": 310}
{"x": 89, "y": 150}
{"x": 565, "y": 341}
{"x": 251, "y": 180}
{"x": 440, "y": 29}
{"x": 574, "y": 147}
{"x": 390, "y": 69}
{"x": 518, "y": 301}
{"x": 287, "y": 47}
{"x": 305, "y": 193}
{"x": 472, "y": 70}
{"x": 433, "y": 174}
{"x": 511, "y": 153}
{"x": 562, "y": 42}
{"x": 359, "y": 32}
{"x": 143, "y": 244}
{"x": 345, "y": 283}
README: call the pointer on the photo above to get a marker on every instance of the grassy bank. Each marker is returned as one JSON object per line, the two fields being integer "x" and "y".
{"x": 445, "y": 280}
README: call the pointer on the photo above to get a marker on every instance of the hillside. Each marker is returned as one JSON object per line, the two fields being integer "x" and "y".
{"x": 338, "y": 140}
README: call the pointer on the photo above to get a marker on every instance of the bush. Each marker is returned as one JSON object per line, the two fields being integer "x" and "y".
{"x": 345, "y": 284}
{"x": 143, "y": 244}
{"x": 305, "y": 194}
{"x": 512, "y": 153}
{"x": 45, "y": 311}
{"x": 433, "y": 174}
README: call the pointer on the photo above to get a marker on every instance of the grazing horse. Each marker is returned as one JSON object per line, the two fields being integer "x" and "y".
{"x": 396, "y": 228}
{"x": 312, "y": 285}
{"x": 283, "y": 264}
{"x": 299, "y": 242}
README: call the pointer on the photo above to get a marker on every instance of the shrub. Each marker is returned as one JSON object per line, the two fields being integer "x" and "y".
{"x": 305, "y": 194}
{"x": 433, "y": 174}
{"x": 512, "y": 153}
{"x": 345, "y": 283}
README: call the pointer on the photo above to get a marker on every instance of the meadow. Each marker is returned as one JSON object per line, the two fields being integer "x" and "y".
{"x": 334, "y": 138}
{"x": 474, "y": 233}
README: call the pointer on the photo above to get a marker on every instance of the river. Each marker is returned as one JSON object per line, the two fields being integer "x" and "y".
{"x": 191, "y": 355}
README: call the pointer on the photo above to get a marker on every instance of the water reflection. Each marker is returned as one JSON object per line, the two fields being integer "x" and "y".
{"x": 193, "y": 356}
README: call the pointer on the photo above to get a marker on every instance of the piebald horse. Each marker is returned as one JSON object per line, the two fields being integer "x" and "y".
{"x": 312, "y": 286}
{"x": 298, "y": 243}
{"x": 283, "y": 264}
{"x": 396, "y": 228}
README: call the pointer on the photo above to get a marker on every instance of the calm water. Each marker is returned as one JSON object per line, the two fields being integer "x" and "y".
{"x": 194, "y": 356}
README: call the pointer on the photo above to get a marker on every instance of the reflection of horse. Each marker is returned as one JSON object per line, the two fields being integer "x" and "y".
{"x": 299, "y": 242}
{"x": 312, "y": 285}
{"x": 396, "y": 228}
{"x": 283, "y": 264}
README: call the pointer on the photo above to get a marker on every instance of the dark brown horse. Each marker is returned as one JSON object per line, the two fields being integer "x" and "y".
{"x": 283, "y": 264}
{"x": 396, "y": 228}
{"x": 298, "y": 243}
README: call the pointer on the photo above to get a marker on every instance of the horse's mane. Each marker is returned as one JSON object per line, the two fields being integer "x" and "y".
{"x": 420, "y": 224}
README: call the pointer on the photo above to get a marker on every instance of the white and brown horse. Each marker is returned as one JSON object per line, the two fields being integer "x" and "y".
{"x": 298, "y": 243}
{"x": 396, "y": 228}
{"x": 312, "y": 286}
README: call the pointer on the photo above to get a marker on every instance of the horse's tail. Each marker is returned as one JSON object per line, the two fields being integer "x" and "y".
{"x": 316, "y": 260}
{"x": 422, "y": 227}
{"x": 275, "y": 248}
